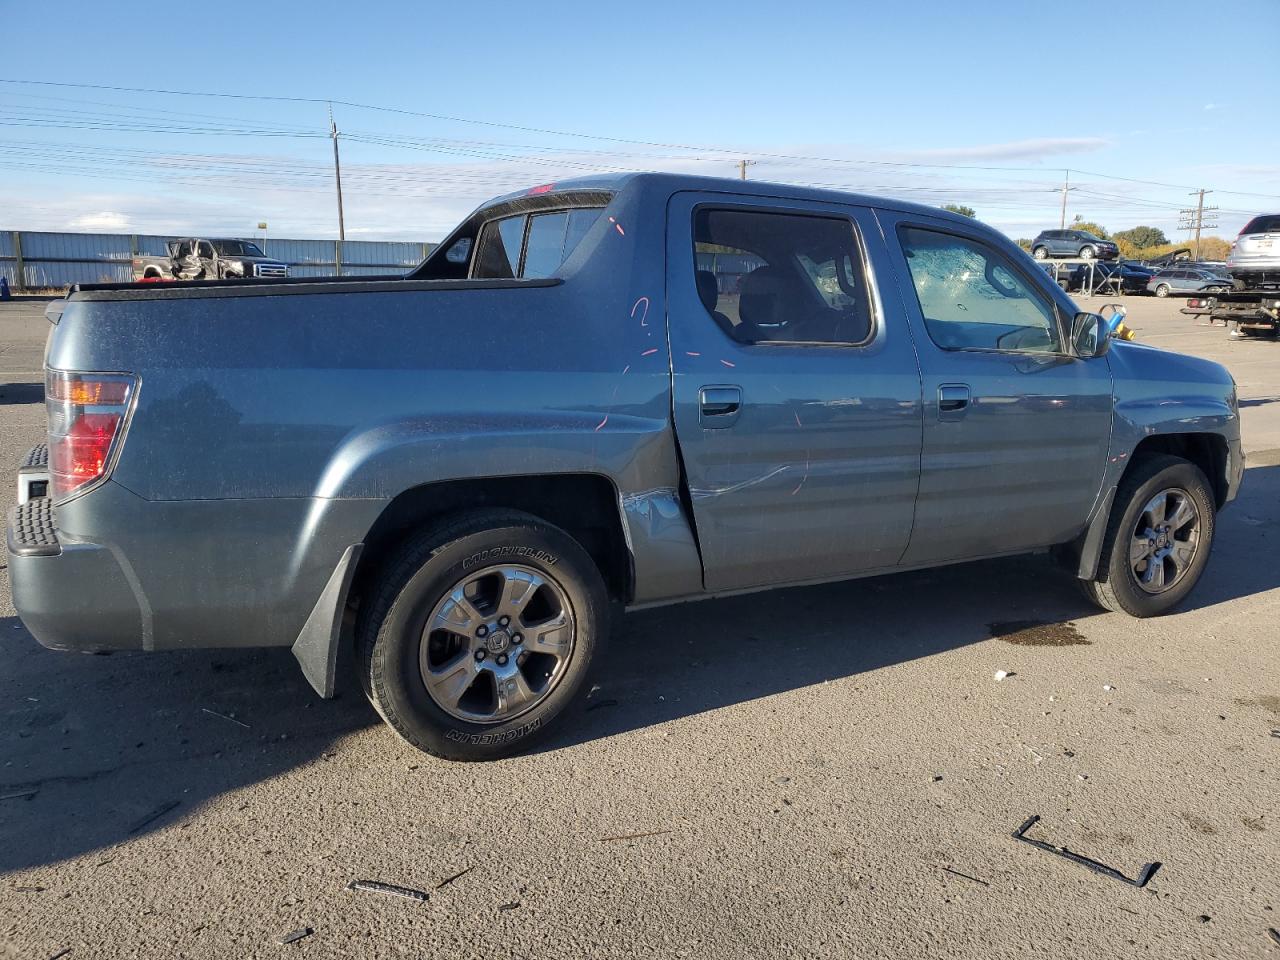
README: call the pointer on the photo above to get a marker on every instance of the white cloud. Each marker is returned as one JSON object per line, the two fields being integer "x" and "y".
{"x": 1034, "y": 149}
{"x": 104, "y": 220}
{"x": 1210, "y": 106}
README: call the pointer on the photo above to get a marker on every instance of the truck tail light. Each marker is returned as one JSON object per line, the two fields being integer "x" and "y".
{"x": 86, "y": 412}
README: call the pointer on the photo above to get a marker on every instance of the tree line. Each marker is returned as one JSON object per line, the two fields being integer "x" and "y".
{"x": 1136, "y": 243}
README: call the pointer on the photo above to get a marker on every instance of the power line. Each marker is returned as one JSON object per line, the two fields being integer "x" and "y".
{"x": 586, "y": 136}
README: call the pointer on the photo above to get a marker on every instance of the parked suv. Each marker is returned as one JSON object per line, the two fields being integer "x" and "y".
{"x": 1072, "y": 243}
{"x": 1255, "y": 255}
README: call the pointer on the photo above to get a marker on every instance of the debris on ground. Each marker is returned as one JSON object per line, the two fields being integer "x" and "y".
{"x": 633, "y": 836}
{"x": 1274, "y": 934}
{"x": 61, "y": 953}
{"x": 448, "y": 880}
{"x": 215, "y": 713}
{"x": 391, "y": 889}
{"x": 29, "y": 889}
{"x": 513, "y": 905}
{"x": 154, "y": 815}
{"x": 1108, "y": 687}
{"x": 602, "y": 703}
{"x": 1003, "y": 674}
{"x": 20, "y": 795}
{"x": 294, "y": 936}
{"x": 1144, "y": 876}
{"x": 966, "y": 876}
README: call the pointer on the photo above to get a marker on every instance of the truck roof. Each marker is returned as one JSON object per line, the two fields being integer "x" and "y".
{"x": 675, "y": 182}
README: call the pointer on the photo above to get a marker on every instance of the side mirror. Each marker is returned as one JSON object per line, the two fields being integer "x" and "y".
{"x": 1090, "y": 335}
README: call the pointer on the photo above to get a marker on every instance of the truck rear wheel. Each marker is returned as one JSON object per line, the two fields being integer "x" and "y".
{"x": 1158, "y": 538}
{"x": 480, "y": 633}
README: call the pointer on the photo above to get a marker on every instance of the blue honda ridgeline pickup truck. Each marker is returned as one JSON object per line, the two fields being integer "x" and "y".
{"x": 601, "y": 393}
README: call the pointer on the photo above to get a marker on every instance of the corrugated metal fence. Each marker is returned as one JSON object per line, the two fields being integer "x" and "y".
{"x": 32, "y": 259}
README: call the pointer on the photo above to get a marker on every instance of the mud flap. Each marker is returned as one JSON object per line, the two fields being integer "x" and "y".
{"x": 316, "y": 648}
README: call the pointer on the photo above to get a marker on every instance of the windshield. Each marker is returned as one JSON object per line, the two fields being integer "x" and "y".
{"x": 1086, "y": 235}
{"x": 237, "y": 248}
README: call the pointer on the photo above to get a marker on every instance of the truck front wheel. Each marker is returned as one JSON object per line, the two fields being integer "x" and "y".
{"x": 1158, "y": 538}
{"x": 480, "y": 632}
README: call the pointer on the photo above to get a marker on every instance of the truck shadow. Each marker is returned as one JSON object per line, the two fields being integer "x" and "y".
{"x": 97, "y": 750}
{"x": 11, "y": 393}
{"x": 677, "y": 661}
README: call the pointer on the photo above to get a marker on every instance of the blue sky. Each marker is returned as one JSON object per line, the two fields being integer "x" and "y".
{"x": 905, "y": 99}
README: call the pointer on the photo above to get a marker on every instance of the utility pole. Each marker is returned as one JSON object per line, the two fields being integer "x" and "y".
{"x": 1066, "y": 185}
{"x": 742, "y": 168}
{"x": 337, "y": 176}
{"x": 1195, "y": 219}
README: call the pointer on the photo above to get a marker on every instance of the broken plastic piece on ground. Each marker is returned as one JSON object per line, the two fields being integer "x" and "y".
{"x": 20, "y": 795}
{"x": 448, "y": 880}
{"x": 966, "y": 876}
{"x": 215, "y": 713}
{"x": 61, "y": 953}
{"x": 634, "y": 836}
{"x": 294, "y": 936}
{"x": 377, "y": 886}
{"x": 154, "y": 815}
{"x": 1274, "y": 934}
{"x": 1148, "y": 870}
{"x": 513, "y": 905}
{"x": 1003, "y": 675}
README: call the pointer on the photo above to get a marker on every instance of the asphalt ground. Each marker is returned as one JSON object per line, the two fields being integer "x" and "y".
{"x": 819, "y": 772}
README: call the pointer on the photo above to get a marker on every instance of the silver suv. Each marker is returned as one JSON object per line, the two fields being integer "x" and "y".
{"x": 1255, "y": 256}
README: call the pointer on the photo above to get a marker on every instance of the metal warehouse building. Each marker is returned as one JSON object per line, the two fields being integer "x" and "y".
{"x": 31, "y": 259}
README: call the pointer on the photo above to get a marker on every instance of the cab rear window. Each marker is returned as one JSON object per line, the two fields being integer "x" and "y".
{"x": 531, "y": 245}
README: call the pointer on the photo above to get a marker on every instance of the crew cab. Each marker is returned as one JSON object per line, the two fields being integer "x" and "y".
{"x": 197, "y": 259}
{"x": 600, "y": 394}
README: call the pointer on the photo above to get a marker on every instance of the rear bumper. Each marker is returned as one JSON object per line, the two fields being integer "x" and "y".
{"x": 71, "y": 596}
{"x": 112, "y": 571}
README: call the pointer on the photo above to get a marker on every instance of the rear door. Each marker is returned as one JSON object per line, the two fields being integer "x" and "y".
{"x": 796, "y": 389}
{"x": 1016, "y": 431}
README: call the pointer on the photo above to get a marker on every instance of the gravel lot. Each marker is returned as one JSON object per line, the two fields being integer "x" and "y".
{"x": 827, "y": 771}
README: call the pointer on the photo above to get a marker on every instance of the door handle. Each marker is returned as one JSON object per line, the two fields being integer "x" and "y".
{"x": 719, "y": 404}
{"x": 953, "y": 400}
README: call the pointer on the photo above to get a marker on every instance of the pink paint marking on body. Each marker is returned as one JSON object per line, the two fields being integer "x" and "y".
{"x": 797, "y": 416}
{"x": 644, "y": 314}
{"x": 617, "y": 226}
{"x": 602, "y": 423}
{"x": 650, "y": 352}
{"x": 692, "y": 353}
{"x": 728, "y": 363}
{"x": 806, "y": 474}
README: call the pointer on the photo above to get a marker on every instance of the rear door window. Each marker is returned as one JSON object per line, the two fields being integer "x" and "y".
{"x": 782, "y": 278}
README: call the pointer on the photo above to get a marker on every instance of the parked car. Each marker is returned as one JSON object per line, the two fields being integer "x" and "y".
{"x": 197, "y": 259}
{"x": 1186, "y": 280}
{"x": 1108, "y": 276}
{"x": 1072, "y": 244}
{"x": 461, "y": 475}
{"x": 1254, "y": 259}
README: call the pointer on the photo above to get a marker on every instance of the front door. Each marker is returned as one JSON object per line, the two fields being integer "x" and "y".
{"x": 796, "y": 390}
{"x": 1016, "y": 430}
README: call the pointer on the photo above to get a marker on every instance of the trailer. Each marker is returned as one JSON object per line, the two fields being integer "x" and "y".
{"x": 1246, "y": 312}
